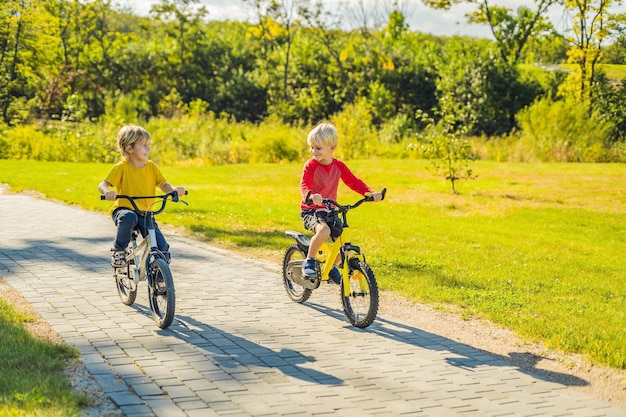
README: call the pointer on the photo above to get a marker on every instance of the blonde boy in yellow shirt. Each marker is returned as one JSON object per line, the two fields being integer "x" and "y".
{"x": 134, "y": 175}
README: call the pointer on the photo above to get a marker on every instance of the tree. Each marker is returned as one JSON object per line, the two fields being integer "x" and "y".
{"x": 548, "y": 49}
{"x": 411, "y": 79}
{"x": 511, "y": 32}
{"x": 477, "y": 89}
{"x": 27, "y": 48}
{"x": 448, "y": 149}
{"x": 615, "y": 53}
{"x": 183, "y": 28}
{"x": 239, "y": 90}
{"x": 592, "y": 26}
{"x": 322, "y": 26}
{"x": 277, "y": 26}
{"x": 609, "y": 105}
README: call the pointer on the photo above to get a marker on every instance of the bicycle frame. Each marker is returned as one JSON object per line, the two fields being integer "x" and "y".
{"x": 342, "y": 246}
{"x": 141, "y": 252}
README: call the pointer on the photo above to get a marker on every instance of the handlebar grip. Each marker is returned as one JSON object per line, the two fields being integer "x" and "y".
{"x": 102, "y": 197}
{"x": 175, "y": 195}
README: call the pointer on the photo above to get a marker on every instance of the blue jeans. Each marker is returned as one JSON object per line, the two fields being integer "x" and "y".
{"x": 126, "y": 220}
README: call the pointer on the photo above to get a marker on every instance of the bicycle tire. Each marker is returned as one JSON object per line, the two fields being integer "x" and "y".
{"x": 296, "y": 292}
{"x": 126, "y": 287}
{"x": 361, "y": 305}
{"x": 161, "y": 293}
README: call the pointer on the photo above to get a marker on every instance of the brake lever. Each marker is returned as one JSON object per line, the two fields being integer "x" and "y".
{"x": 307, "y": 199}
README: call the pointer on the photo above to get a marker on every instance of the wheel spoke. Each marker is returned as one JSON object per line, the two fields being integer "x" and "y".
{"x": 361, "y": 303}
{"x": 161, "y": 294}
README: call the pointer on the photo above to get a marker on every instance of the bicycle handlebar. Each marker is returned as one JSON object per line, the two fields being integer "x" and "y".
{"x": 173, "y": 194}
{"x": 341, "y": 207}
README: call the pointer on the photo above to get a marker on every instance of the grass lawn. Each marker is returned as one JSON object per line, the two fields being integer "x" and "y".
{"x": 533, "y": 247}
{"x": 612, "y": 71}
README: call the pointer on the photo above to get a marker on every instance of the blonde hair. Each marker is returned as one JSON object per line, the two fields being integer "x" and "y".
{"x": 323, "y": 133}
{"x": 128, "y": 136}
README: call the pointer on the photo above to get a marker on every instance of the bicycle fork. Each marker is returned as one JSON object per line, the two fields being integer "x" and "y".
{"x": 349, "y": 253}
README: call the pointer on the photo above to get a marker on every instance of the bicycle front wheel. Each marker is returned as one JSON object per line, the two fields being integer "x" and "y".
{"x": 161, "y": 293}
{"x": 360, "y": 305}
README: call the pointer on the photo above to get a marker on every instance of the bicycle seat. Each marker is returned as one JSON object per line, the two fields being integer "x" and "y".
{"x": 299, "y": 237}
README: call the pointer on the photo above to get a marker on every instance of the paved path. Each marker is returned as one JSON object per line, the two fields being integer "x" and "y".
{"x": 238, "y": 346}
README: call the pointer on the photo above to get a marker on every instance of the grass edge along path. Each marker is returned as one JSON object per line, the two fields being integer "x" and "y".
{"x": 32, "y": 381}
{"x": 531, "y": 247}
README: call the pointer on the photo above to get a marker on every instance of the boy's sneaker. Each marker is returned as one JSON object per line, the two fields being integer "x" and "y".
{"x": 308, "y": 268}
{"x": 335, "y": 275}
{"x": 118, "y": 259}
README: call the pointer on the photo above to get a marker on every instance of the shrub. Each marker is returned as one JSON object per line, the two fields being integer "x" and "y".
{"x": 562, "y": 131}
{"x": 275, "y": 142}
{"x": 357, "y": 137}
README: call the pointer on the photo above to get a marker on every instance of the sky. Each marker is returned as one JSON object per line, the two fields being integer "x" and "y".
{"x": 419, "y": 17}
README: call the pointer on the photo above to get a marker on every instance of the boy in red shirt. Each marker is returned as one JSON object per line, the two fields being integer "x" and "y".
{"x": 320, "y": 176}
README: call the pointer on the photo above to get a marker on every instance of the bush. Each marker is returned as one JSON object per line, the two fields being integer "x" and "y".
{"x": 357, "y": 137}
{"x": 275, "y": 142}
{"x": 503, "y": 149}
{"x": 562, "y": 131}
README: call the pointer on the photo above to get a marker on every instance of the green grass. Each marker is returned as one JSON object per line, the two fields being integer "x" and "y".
{"x": 32, "y": 381}
{"x": 613, "y": 72}
{"x": 533, "y": 247}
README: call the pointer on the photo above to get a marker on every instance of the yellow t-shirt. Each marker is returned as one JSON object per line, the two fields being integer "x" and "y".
{"x": 133, "y": 181}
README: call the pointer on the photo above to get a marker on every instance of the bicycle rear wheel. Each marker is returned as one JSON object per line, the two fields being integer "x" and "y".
{"x": 125, "y": 283}
{"x": 361, "y": 304}
{"x": 293, "y": 259}
{"x": 161, "y": 293}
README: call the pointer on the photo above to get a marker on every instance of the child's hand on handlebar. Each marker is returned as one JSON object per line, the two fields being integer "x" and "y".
{"x": 181, "y": 190}
{"x": 317, "y": 199}
{"x": 110, "y": 195}
{"x": 376, "y": 196}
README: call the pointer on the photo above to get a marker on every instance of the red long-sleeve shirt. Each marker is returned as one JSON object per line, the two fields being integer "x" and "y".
{"x": 324, "y": 180}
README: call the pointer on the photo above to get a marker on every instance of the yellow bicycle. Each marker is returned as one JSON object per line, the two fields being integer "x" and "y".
{"x": 359, "y": 290}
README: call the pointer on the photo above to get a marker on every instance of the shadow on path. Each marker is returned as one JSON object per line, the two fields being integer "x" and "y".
{"x": 63, "y": 250}
{"x": 471, "y": 358}
{"x": 235, "y": 354}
